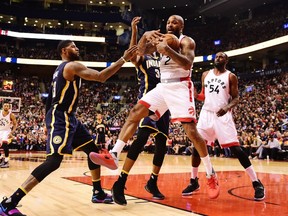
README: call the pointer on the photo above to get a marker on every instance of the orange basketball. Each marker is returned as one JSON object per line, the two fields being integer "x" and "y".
{"x": 172, "y": 41}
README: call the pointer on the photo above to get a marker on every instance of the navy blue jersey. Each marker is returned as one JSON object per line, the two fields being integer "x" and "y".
{"x": 148, "y": 74}
{"x": 64, "y": 93}
{"x": 65, "y": 132}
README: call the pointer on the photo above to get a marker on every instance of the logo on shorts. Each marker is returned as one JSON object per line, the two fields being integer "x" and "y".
{"x": 191, "y": 110}
{"x": 57, "y": 139}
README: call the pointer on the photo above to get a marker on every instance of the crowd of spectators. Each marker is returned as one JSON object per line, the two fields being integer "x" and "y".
{"x": 262, "y": 112}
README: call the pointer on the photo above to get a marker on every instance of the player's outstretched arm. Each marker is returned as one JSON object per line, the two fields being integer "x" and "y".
{"x": 78, "y": 69}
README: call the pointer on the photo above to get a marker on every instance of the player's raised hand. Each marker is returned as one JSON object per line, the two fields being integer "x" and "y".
{"x": 134, "y": 22}
{"x": 131, "y": 52}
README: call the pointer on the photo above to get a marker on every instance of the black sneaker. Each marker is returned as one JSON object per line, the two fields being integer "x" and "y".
{"x": 8, "y": 208}
{"x": 193, "y": 186}
{"x": 259, "y": 190}
{"x": 118, "y": 193}
{"x": 101, "y": 197}
{"x": 152, "y": 188}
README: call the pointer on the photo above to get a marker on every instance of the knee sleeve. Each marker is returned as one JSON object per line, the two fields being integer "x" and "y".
{"x": 160, "y": 149}
{"x": 137, "y": 145}
{"x": 241, "y": 155}
{"x": 91, "y": 147}
{"x": 51, "y": 164}
{"x": 196, "y": 160}
{"x": 6, "y": 149}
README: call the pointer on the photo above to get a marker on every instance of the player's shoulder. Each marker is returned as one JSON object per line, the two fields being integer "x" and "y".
{"x": 186, "y": 39}
{"x": 231, "y": 73}
{"x": 232, "y": 76}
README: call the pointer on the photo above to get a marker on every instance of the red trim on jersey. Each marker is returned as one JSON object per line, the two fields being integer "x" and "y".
{"x": 144, "y": 103}
{"x": 225, "y": 145}
{"x": 185, "y": 78}
{"x": 147, "y": 105}
{"x": 190, "y": 91}
{"x": 157, "y": 113}
{"x": 183, "y": 120}
{"x": 201, "y": 96}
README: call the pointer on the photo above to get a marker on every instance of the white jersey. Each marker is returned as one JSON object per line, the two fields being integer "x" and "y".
{"x": 5, "y": 121}
{"x": 171, "y": 70}
{"x": 216, "y": 91}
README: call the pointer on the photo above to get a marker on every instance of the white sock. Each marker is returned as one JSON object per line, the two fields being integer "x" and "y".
{"x": 251, "y": 173}
{"x": 118, "y": 147}
{"x": 208, "y": 165}
{"x": 6, "y": 159}
{"x": 194, "y": 172}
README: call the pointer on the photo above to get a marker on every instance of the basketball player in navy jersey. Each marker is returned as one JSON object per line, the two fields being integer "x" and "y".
{"x": 220, "y": 94}
{"x": 6, "y": 118}
{"x": 173, "y": 93}
{"x": 65, "y": 132}
{"x": 148, "y": 73}
{"x": 101, "y": 130}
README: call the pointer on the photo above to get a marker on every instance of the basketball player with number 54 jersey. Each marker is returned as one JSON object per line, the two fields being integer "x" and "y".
{"x": 220, "y": 94}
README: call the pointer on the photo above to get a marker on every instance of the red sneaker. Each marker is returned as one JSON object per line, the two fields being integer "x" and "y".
{"x": 213, "y": 187}
{"x": 108, "y": 160}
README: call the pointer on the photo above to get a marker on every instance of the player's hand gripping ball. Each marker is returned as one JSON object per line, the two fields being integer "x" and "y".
{"x": 172, "y": 41}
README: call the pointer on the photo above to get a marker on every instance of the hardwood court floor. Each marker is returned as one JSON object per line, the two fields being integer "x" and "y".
{"x": 67, "y": 191}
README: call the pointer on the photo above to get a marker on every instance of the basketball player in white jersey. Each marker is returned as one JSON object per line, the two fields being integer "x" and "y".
{"x": 6, "y": 117}
{"x": 174, "y": 92}
{"x": 220, "y": 94}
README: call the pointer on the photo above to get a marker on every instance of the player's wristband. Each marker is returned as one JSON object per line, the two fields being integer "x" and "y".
{"x": 123, "y": 59}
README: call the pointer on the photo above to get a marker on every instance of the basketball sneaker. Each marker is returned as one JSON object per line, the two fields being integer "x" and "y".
{"x": 108, "y": 160}
{"x": 5, "y": 165}
{"x": 259, "y": 190}
{"x": 101, "y": 197}
{"x": 151, "y": 187}
{"x": 213, "y": 186}
{"x": 118, "y": 193}
{"x": 192, "y": 187}
{"x": 7, "y": 208}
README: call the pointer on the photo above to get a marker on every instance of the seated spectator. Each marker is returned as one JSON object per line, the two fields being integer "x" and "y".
{"x": 274, "y": 146}
{"x": 188, "y": 150}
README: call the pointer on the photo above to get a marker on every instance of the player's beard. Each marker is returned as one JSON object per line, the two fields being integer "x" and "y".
{"x": 219, "y": 65}
{"x": 74, "y": 57}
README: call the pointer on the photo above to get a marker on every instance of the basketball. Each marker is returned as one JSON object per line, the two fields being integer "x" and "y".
{"x": 172, "y": 41}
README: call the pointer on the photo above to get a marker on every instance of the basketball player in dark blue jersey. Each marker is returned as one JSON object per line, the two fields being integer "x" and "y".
{"x": 101, "y": 130}
{"x": 148, "y": 74}
{"x": 65, "y": 132}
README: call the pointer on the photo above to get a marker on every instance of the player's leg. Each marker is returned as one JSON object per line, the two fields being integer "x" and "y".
{"x": 110, "y": 160}
{"x": 194, "y": 185}
{"x": 200, "y": 145}
{"x": 160, "y": 151}
{"x": 133, "y": 153}
{"x": 5, "y": 147}
{"x": 152, "y": 101}
{"x": 160, "y": 143}
{"x": 245, "y": 162}
{"x": 8, "y": 205}
{"x": 83, "y": 141}
{"x": 205, "y": 129}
